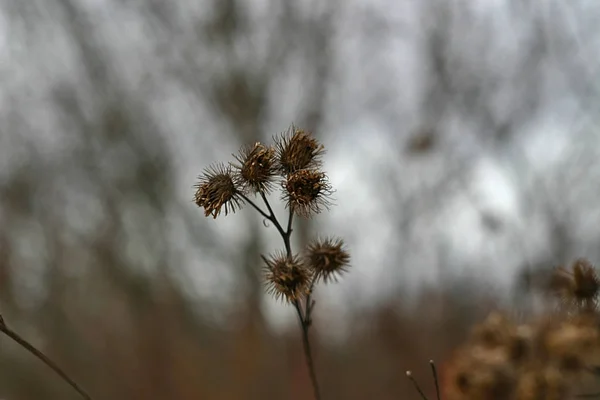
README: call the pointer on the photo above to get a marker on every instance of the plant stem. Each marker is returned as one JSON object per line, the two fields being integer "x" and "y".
{"x": 42, "y": 357}
{"x": 290, "y": 218}
{"x": 309, "y": 301}
{"x": 284, "y": 235}
{"x": 308, "y": 353}
{"x": 416, "y": 385}
{"x": 303, "y": 317}
{"x": 257, "y": 208}
{"x": 435, "y": 379}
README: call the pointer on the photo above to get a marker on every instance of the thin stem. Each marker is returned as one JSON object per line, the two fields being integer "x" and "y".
{"x": 303, "y": 316}
{"x": 309, "y": 301}
{"x": 299, "y": 312}
{"x": 308, "y": 355}
{"x": 257, "y": 208}
{"x": 284, "y": 235}
{"x": 416, "y": 385}
{"x": 435, "y": 379}
{"x": 290, "y": 218}
{"x": 42, "y": 357}
{"x": 267, "y": 204}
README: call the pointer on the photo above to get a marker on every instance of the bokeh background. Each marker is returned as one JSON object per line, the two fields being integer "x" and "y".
{"x": 462, "y": 140}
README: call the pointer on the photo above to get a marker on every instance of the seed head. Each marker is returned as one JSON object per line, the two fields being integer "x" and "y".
{"x": 481, "y": 374}
{"x": 307, "y": 191}
{"x": 296, "y": 150}
{"x": 216, "y": 189}
{"x": 551, "y": 357}
{"x": 546, "y": 382}
{"x": 498, "y": 332}
{"x": 579, "y": 286}
{"x": 287, "y": 278}
{"x": 327, "y": 258}
{"x": 256, "y": 168}
{"x": 571, "y": 342}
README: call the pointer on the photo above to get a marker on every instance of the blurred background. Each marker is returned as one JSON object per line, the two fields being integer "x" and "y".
{"x": 462, "y": 140}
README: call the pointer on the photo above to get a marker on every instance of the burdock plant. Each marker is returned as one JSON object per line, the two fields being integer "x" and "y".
{"x": 292, "y": 164}
{"x": 547, "y": 357}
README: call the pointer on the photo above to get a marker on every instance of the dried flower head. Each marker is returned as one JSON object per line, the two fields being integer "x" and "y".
{"x": 498, "y": 332}
{"x": 287, "y": 277}
{"x": 257, "y": 167}
{"x": 298, "y": 149}
{"x": 327, "y": 258}
{"x": 579, "y": 286}
{"x": 544, "y": 382}
{"x": 481, "y": 374}
{"x": 572, "y": 343}
{"x": 307, "y": 192}
{"x": 555, "y": 353}
{"x": 216, "y": 189}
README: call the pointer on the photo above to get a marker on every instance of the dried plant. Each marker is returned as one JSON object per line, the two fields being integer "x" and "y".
{"x": 294, "y": 159}
{"x": 257, "y": 168}
{"x": 306, "y": 192}
{"x": 217, "y": 189}
{"x": 287, "y": 277}
{"x": 297, "y": 150}
{"x": 577, "y": 287}
{"x": 435, "y": 380}
{"x": 546, "y": 358}
{"x": 42, "y": 357}
{"x": 327, "y": 258}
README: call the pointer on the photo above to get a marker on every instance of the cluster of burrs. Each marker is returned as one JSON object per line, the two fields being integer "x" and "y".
{"x": 292, "y": 165}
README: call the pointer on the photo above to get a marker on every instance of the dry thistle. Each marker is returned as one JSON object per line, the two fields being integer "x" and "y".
{"x": 257, "y": 168}
{"x": 578, "y": 287}
{"x": 498, "y": 332}
{"x": 327, "y": 258}
{"x": 488, "y": 366}
{"x": 296, "y": 150}
{"x": 571, "y": 342}
{"x": 495, "y": 331}
{"x": 217, "y": 189}
{"x": 287, "y": 278}
{"x": 307, "y": 192}
{"x": 481, "y": 374}
{"x": 541, "y": 360}
{"x": 543, "y": 383}
{"x": 305, "y": 189}
{"x": 544, "y": 359}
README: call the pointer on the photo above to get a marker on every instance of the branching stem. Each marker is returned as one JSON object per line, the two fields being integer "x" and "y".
{"x": 304, "y": 315}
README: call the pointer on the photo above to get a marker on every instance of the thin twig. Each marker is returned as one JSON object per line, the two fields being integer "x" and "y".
{"x": 273, "y": 218}
{"x": 267, "y": 204}
{"x": 42, "y": 357}
{"x": 310, "y": 303}
{"x": 299, "y": 312}
{"x": 435, "y": 379}
{"x": 290, "y": 218}
{"x": 257, "y": 208}
{"x": 308, "y": 353}
{"x": 303, "y": 317}
{"x": 416, "y": 385}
